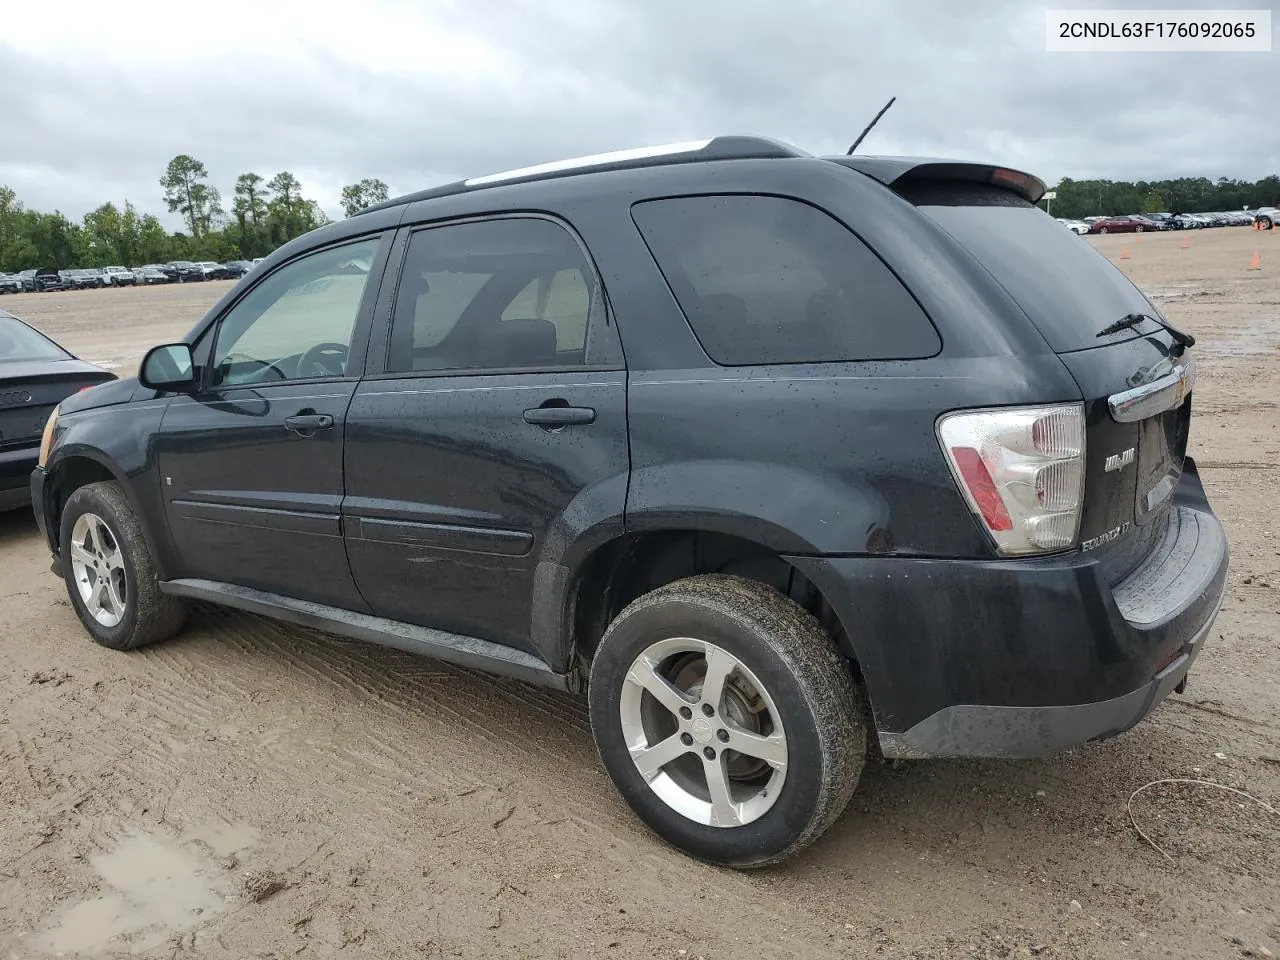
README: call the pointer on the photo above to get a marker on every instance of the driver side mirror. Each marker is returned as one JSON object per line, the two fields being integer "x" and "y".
{"x": 169, "y": 367}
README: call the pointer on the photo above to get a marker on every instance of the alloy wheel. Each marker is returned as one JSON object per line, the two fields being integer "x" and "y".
{"x": 703, "y": 732}
{"x": 97, "y": 566}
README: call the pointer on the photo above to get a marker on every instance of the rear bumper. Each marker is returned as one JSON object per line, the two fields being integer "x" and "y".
{"x": 15, "y": 473}
{"x": 1026, "y": 658}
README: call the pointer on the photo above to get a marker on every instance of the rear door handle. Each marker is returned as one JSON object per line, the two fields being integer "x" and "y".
{"x": 551, "y": 417}
{"x": 308, "y": 423}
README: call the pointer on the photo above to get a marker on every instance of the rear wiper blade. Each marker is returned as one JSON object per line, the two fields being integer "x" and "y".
{"x": 1183, "y": 340}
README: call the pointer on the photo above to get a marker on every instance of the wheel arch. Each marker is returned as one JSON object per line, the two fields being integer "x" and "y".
{"x": 78, "y": 467}
{"x": 627, "y": 566}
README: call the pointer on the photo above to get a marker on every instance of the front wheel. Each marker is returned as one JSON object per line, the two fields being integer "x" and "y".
{"x": 1265, "y": 223}
{"x": 111, "y": 578}
{"x": 1103, "y": 230}
{"x": 727, "y": 719}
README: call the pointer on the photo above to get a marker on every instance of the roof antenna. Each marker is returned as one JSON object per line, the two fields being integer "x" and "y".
{"x": 874, "y": 121}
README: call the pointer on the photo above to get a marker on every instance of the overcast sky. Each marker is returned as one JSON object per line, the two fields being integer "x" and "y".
{"x": 96, "y": 98}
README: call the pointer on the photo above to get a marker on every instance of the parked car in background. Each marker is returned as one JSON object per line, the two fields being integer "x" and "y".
{"x": 1114, "y": 225}
{"x": 10, "y": 283}
{"x": 28, "y": 278}
{"x": 185, "y": 271}
{"x": 978, "y": 554}
{"x": 1145, "y": 223}
{"x": 213, "y": 271}
{"x": 49, "y": 280}
{"x": 1266, "y": 217}
{"x": 150, "y": 274}
{"x": 118, "y": 276}
{"x": 35, "y": 375}
{"x": 1078, "y": 227}
{"x": 237, "y": 268}
{"x": 86, "y": 278}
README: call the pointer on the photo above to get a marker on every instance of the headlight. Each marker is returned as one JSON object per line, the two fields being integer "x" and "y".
{"x": 46, "y": 439}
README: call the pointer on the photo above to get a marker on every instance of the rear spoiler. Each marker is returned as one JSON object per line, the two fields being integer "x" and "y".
{"x": 896, "y": 170}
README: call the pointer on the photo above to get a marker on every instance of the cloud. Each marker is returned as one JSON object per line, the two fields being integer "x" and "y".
{"x": 418, "y": 94}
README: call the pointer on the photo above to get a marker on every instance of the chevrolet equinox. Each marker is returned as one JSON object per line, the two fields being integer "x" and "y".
{"x": 778, "y": 458}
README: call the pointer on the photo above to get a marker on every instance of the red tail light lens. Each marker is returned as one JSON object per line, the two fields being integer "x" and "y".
{"x": 977, "y": 479}
{"x": 1021, "y": 470}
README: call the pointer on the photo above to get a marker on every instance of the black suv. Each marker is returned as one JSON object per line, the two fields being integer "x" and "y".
{"x": 774, "y": 456}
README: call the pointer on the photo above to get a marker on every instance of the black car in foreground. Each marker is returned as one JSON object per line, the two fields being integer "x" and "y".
{"x": 771, "y": 455}
{"x": 35, "y": 374}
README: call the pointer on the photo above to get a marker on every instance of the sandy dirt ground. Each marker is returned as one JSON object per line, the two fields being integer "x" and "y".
{"x": 255, "y": 790}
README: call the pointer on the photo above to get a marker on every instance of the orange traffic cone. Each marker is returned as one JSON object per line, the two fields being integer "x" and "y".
{"x": 1255, "y": 262}
{"x": 1138, "y": 238}
{"x": 1124, "y": 254}
{"x": 1186, "y": 243}
{"x": 1257, "y": 225}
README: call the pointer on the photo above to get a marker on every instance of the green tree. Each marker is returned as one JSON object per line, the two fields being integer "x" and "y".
{"x": 10, "y": 217}
{"x": 250, "y": 204}
{"x": 357, "y": 196}
{"x": 248, "y": 231}
{"x": 1154, "y": 202}
{"x": 154, "y": 244}
{"x": 290, "y": 213}
{"x": 18, "y": 254}
{"x": 187, "y": 193}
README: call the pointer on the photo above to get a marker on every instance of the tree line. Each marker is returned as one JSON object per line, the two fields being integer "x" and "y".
{"x": 264, "y": 213}
{"x": 1087, "y": 198}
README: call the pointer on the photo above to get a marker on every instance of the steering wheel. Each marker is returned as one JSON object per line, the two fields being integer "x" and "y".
{"x": 323, "y": 360}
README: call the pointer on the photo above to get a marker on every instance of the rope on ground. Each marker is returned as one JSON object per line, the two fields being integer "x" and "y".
{"x": 1199, "y": 783}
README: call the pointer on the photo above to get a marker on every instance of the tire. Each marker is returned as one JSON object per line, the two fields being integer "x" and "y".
{"x": 145, "y": 615}
{"x": 1138, "y": 230}
{"x": 1102, "y": 230}
{"x": 807, "y": 714}
{"x": 1265, "y": 223}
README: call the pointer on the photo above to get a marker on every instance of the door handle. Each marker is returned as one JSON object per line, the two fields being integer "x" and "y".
{"x": 552, "y": 415}
{"x": 306, "y": 424}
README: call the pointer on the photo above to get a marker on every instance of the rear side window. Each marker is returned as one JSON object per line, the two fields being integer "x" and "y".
{"x": 1067, "y": 289}
{"x": 511, "y": 293}
{"x": 769, "y": 280}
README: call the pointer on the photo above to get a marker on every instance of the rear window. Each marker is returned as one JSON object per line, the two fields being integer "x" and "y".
{"x": 20, "y": 342}
{"x": 1068, "y": 289}
{"x": 767, "y": 280}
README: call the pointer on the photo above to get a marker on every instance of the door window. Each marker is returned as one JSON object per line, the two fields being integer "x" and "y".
{"x": 298, "y": 323}
{"x": 514, "y": 293}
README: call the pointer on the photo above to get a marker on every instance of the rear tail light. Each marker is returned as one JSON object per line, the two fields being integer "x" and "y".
{"x": 1021, "y": 470}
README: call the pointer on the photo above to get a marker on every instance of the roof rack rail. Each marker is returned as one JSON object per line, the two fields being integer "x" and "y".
{"x": 689, "y": 151}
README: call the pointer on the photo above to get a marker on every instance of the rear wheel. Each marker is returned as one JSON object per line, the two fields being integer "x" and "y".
{"x": 111, "y": 579}
{"x": 1102, "y": 230}
{"x": 727, "y": 719}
